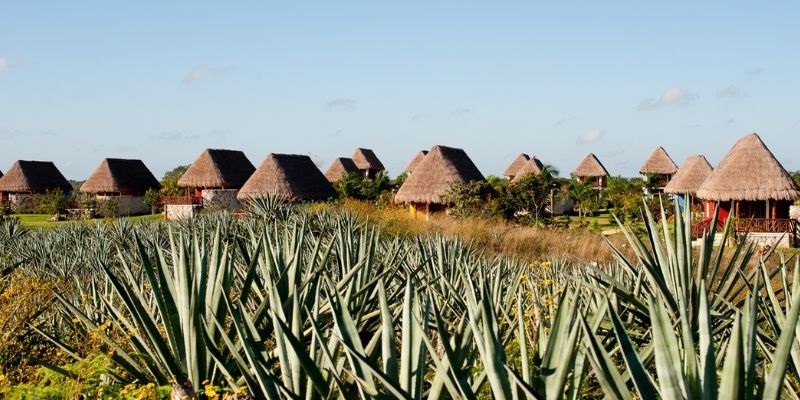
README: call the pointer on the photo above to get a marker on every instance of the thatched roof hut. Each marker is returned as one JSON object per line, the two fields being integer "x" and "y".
{"x": 218, "y": 168}
{"x": 690, "y": 176}
{"x": 292, "y": 175}
{"x": 590, "y": 167}
{"x": 516, "y": 165}
{"x": 33, "y": 177}
{"x": 749, "y": 172}
{"x": 659, "y": 163}
{"x": 339, "y": 168}
{"x": 367, "y": 161}
{"x": 434, "y": 175}
{"x": 532, "y": 167}
{"x": 116, "y": 175}
{"x": 412, "y": 165}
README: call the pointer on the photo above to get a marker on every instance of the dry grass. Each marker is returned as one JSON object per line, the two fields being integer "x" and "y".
{"x": 493, "y": 236}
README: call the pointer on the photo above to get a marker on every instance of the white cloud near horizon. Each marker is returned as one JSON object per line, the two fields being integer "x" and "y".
{"x": 754, "y": 72}
{"x": 203, "y": 71}
{"x": 590, "y": 136}
{"x": 341, "y": 104}
{"x": 731, "y": 92}
{"x": 3, "y": 65}
{"x": 461, "y": 112}
{"x": 672, "y": 96}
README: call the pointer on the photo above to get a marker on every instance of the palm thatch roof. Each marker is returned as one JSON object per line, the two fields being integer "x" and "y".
{"x": 434, "y": 175}
{"x": 590, "y": 167}
{"x": 532, "y": 167}
{"x": 33, "y": 177}
{"x": 749, "y": 172}
{"x": 218, "y": 168}
{"x": 516, "y": 165}
{"x": 292, "y": 175}
{"x": 690, "y": 176}
{"x": 366, "y": 159}
{"x": 659, "y": 163}
{"x": 412, "y": 165}
{"x": 115, "y": 175}
{"x": 339, "y": 168}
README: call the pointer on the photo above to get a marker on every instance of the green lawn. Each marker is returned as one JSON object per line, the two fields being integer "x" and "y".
{"x": 41, "y": 220}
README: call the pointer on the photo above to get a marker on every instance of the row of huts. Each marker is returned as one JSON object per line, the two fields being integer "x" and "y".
{"x": 749, "y": 184}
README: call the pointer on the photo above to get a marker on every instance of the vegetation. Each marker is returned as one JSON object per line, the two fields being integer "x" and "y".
{"x": 310, "y": 302}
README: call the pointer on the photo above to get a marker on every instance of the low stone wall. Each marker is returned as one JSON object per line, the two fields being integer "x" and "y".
{"x": 221, "y": 199}
{"x": 117, "y": 206}
{"x": 770, "y": 239}
{"x": 181, "y": 211}
{"x": 22, "y": 203}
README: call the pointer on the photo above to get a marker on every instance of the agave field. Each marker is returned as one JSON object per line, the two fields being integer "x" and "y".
{"x": 286, "y": 303}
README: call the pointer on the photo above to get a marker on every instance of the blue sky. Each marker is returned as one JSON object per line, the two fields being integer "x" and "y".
{"x": 160, "y": 81}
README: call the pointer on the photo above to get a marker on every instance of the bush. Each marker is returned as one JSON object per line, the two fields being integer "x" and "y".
{"x": 51, "y": 202}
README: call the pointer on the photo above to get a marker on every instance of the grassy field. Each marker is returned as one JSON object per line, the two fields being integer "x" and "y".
{"x": 41, "y": 220}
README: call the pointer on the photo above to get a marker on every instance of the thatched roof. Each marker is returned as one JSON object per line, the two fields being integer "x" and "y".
{"x": 690, "y": 176}
{"x": 340, "y": 167}
{"x": 120, "y": 175}
{"x": 532, "y": 167}
{"x": 366, "y": 159}
{"x": 434, "y": 175}
{"x": 292, "y": 175}
{"x": 516, "y": 165}
{"x": 590, "y": 167}
{"x": 659, "y": 163}
{"x": 749, "y": 172}
{"x": 218, "y": 168}
{"x": 412, "y": 165}
{"x": 33, "y": 177}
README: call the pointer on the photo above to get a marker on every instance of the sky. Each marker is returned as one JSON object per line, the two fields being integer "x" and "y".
{"x": 161, "y": 81}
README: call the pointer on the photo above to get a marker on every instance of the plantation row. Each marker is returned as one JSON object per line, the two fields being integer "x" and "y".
{"x": 288, "y": 303}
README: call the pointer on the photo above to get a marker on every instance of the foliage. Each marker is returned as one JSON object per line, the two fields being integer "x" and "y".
{"x": 469, "y": 199}
{"x": 52, "y": 202}
{"x": 355, "y": 185}
{"x": 169, "y": 182}
{"x": 527, "y": 199}
{"x": 586, "y": 197}
{"x": 151, "y": 197}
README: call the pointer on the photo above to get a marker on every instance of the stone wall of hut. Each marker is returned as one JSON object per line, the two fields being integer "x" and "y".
{"x": 174, "y": 212}
{"x": 221, "y": 199}
{"x": 116, "y": 206}
{"x": 22, "y": 203}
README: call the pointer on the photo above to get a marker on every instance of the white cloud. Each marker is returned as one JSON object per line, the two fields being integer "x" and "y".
{"x": 3, "y": 65}
{"x": 754, "y": 72}
{"x": 203, "y": 71}
{"x": 341, "y": 104}
{"x": 590, "y": 136}
{"x": 564, "y": 121}
{"x": 460, "y": 112}
{"x": 731, "y": 92}
{"x": 672, "y": 96}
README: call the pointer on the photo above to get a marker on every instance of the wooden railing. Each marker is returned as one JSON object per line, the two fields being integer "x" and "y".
{"x": 179, "y": 200}
{"x": 770, "y": 225}
{"x": 761, "y": 225}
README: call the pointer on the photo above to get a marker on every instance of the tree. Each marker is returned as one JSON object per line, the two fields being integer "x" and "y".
{"x": 527, "y": 199}
{"x": 169, "y": 183}
{"x": 586, "y": 197}
{"x": 469, "y": 199}
{"x": 356, "y": 186}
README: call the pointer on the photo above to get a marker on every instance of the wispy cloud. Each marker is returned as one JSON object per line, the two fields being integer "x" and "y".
{"x": 672, "y": 96}
{"x": 3, "y": 65}
{"x": 202, "y": 72}
{"x": 730, "y": 122}
{"x": 590, "y": 136}
{"x": 461, "y": 112}
{"x": 175, "y": 136}
{"x": 564, "y": 121}
{"x": 124, "y": 149}
{"x": 341, "y": 104}
{"x": 754, "y": 72}
{"x": 731, "y": 92}
{"x": 419, "y": 117}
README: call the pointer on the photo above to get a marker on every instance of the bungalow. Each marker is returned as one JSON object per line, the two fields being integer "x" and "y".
{"x": 25, "y": 179}
{"x": 122, "y": 183}
{"x": 291, "y": 175}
